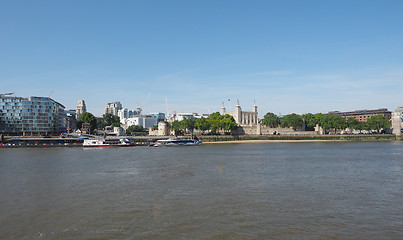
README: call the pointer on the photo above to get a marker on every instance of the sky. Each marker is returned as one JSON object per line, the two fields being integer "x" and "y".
{"x": 194, "y": 56}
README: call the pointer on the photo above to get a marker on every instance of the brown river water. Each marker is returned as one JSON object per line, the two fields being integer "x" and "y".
{"x": 221, "y": 191}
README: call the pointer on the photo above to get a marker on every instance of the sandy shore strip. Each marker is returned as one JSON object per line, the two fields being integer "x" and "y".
{"x": 273, "y": 141}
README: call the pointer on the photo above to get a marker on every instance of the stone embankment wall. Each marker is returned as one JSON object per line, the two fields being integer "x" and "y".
{"x": 372, "y": 138}
{"x": 263, "y": 130}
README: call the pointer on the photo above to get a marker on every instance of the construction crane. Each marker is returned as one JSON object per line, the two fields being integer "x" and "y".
{"x": 144, "y": 101}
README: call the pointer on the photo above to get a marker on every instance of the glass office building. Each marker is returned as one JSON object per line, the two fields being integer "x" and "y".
{"x": 32, "y": 116}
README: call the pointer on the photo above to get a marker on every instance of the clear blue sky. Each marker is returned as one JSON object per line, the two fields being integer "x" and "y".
{"x": 289, "y": 56}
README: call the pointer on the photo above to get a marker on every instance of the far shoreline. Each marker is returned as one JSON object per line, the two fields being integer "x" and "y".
{"x": 300, "y": 139}
{"x": 273, "y": 141}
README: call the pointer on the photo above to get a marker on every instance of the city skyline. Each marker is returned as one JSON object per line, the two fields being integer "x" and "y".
{"x": 292, "y": 56}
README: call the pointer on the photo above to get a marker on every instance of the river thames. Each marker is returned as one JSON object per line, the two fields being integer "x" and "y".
{"x": 301, "y": 190}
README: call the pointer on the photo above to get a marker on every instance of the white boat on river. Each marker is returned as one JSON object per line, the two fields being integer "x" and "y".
{"x": 123, "y": 142}
{"x": 177, "y": 141}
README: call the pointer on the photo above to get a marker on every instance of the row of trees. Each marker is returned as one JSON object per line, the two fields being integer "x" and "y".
{"x": 215, "y": 122}
{"x": 327, "y": 122}
{"x": 107, "y": 120}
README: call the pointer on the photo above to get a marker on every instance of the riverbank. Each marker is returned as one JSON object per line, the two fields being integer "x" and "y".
{"x": 322, "y": 138}
{"x": 222, "y": 139}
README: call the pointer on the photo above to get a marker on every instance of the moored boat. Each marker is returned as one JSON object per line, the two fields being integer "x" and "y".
{"x": 122, "y": 142}
{"x": 178, "y": 142}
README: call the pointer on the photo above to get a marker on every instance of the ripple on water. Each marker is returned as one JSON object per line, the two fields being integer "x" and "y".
{"x": 231, "y": 191}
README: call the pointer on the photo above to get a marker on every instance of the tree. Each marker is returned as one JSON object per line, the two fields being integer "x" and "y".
{"x": 228, "y": 123}
{"x": 318, "y": 118}
{"x": 176, "y": 127}
{"x": 378, "y": 122}
{"x": 326, "y": 122}
{"x": 110, "y": 120}
{"x": 136, "y": 129}
{"x": 215, "y": 121}
{"x": 353, "y": 123}
{"x": 202, "y": 124}
{"x": 332, "y": 122}
{"x": 363, "y": 126}
{"x": 189, "y": 124}
{"x": 310, "y": 121}
{"x": 87, "y": 117}
{"x": 270, "y": 120}
{"x": 338, "y": 123}
{"x": 291, "y": 120}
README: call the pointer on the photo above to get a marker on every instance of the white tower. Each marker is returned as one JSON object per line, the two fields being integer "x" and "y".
{"x": 223, "y": 110}
{"x": 81, "y": 108}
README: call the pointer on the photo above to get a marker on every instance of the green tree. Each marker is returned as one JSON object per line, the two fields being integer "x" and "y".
{"x": 87, "y": 117}
{"x": 338, "y": 123}
{"x": 363, "y": 126}
{"x": 291, "y": 120}
{"x": 318, "y": 118}
{"x": 270, "y": 120}
{"x": 310, "y": 121}
{"x": 110, "y": 120}
{"x": 189, "y": 124}
{"x": 136, "y": 129}
{"x": 176, "y": 127}
{"x": 228, "y": 123}
{"x": 202, "y": 124}
{"x": 378, "y": 122}
{"x": 215, "y": 121}
{"x": 328, "y": 122}
{"x": 353, "y": 123}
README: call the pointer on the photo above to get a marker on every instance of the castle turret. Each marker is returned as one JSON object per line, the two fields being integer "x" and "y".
{"x": 255, "y": 115}
{"x": 223, "y": 110}
{"x": 238, "y": 114}
{"x": 397, "y": 119}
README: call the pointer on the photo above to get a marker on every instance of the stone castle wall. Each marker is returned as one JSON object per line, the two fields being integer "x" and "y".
{"x": 263, "y": 130}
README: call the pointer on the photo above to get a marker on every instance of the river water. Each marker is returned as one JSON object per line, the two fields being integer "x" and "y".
{"x": 213, "y": 191}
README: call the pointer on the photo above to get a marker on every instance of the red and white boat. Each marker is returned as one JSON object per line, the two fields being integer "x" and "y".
{"x": 122, "y": 142}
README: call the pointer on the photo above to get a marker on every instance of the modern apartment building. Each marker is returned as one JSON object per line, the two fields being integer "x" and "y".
{"x": 33, "y": 116}
{"x": 113, "y": 108}
{"x": 71, "y": 120}
{"x": 146, "y": 121}
{"x": 126, "y": 113}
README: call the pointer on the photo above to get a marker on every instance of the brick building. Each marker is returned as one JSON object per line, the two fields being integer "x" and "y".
{"x": 363, "y": 115}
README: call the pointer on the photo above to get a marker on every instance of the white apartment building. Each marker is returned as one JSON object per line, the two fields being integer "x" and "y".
{"x": 113, "y": 108}
{"x": 182, "y": 116}
{"x": 146, "y": 121}
{"x": 126, "y": 113}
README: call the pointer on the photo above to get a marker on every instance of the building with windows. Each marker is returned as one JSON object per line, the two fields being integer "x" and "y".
{"x": 71, "y": 120}
{"x": 113, "y": 108}
{"x": 34, "y": 116}
{"x": 363, "y": 115}
{"x": 159, "y": 116}
{"x": 146, "y": 121}
{"x": 126, "y": 113}
{"x": 80, "y": 109}
{"x": 183, "y": 116}
{"x": 243, "y": 118}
